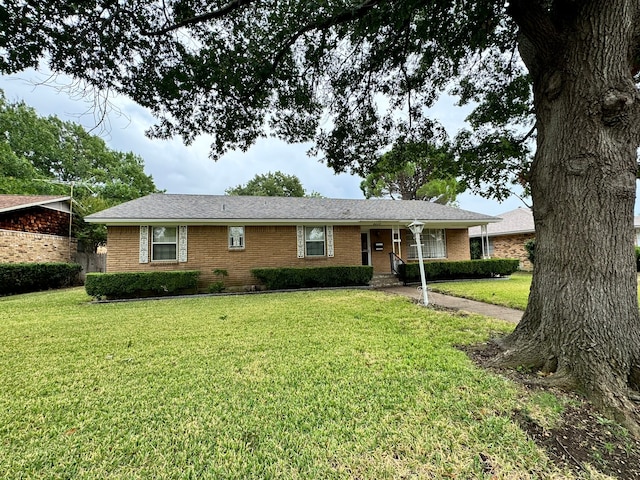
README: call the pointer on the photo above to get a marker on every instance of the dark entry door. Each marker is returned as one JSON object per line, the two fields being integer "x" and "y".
{"x": 364, "y": 240}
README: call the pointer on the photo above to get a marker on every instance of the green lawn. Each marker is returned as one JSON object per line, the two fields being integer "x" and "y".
{"x": 510, "y": 292}
{"x": 313, "y": 385}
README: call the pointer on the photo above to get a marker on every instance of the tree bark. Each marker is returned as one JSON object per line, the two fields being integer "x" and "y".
{"x": 581, "y": 325}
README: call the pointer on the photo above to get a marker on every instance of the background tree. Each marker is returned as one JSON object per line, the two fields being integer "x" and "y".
{"x": 414, "y": 171}
{"x": 276, "y": 184}
{"x": 46, "y": 156}
{"x": 561, "y": 72}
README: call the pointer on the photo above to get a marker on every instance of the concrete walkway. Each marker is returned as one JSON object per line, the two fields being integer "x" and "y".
{"x": 456, "y": 303}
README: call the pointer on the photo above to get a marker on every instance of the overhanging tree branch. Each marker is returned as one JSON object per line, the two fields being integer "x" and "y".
{"x": 219, "y": 13}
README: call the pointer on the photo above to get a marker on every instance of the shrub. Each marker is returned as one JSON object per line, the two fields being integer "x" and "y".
{"x": 141, "y": 284}
{"x": 311, "y": 277}
{"x": 410, "y": 272}
{"x": 530, "y": 247}
{"x": 218, "y": 286}
{"x": 32, "y": 277}
{"x": 638, "y": 258}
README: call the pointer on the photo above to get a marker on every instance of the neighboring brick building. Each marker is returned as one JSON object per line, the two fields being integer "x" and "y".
{"x": 35, "y": 228}
{"x": 506, "y": 239}
{"x": 207, "y": 232}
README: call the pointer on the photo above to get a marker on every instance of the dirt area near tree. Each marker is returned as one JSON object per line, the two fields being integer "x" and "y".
{"x": 582, "y": 438}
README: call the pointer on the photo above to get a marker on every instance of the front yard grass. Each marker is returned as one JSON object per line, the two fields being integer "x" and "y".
{"x": 511, "y": 292}
{"x": 339, "y": 384}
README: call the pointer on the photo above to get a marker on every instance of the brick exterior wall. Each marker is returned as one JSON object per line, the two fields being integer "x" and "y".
{"x": 36, "y": 220}
{"x": 265, "y": 246}
{"x": 18, "y": 247}
{"x": 512, "y": 246}
{"x": 458, "y": 244}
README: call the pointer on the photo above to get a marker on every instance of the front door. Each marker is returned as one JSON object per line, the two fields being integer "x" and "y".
{"x": 364, "y": 240}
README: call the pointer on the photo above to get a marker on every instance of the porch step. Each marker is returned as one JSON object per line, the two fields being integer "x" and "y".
{"x": 384, "y": 280}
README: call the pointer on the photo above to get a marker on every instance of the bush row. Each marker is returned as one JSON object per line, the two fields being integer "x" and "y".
{"x": 410, "y": 272}
{"x": 311, "y": 277}
{"x": 141, "y": 284}
{"x": 32, "y": 277}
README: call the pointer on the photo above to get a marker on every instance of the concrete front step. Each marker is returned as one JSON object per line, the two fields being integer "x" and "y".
{"x": 380, "y": 280}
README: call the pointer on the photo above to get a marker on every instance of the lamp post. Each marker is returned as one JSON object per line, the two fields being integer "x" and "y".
{"x": 416, "y": 228}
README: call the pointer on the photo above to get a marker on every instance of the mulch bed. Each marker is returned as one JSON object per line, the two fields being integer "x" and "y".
{"x": 581, "y": 437}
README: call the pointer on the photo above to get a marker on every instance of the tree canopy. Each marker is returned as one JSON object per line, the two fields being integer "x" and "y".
{"x": 47, "y": 156}
{"x": 414, "y": 171}
{"x": 276, "y": 184}
{"x": 242, "y": 69}
{"x": 355, "y": 77}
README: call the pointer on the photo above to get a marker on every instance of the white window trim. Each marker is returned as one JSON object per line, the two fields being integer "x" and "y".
{"x": 234, "y": 247}
{"x": 176, "y": 243}
{"x": 324, "y": 241}
{"x": 426, "y": 254}
{"x": 301, "y": 241}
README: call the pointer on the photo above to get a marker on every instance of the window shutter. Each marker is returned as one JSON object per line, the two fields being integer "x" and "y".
{"x": 300, "y": 240}
{"x": 144, "y": 244}
{"x": 329, "y": 240}
{"x": 182, "y": 243}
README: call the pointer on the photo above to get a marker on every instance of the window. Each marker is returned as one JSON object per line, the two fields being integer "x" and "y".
{"x": 314, "y": 241}
{"x": 433, "y": 244}
{"x": 236, "y": 238}
{"x": 164, "y": 243}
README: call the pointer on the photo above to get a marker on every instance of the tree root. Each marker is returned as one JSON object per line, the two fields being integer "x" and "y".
{"x": 615, "y": 402}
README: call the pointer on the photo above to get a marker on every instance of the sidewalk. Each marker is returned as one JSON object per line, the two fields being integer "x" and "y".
{"x": 456, "y": 303}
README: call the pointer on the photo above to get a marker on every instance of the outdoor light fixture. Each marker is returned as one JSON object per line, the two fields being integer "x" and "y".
{"x": 416, "y": 228}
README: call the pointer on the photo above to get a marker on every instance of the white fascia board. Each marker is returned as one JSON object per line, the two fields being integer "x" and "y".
{"x": 503, "y": 234}
{"x": 300, "y": 221}
{"x": 35, "y": 204}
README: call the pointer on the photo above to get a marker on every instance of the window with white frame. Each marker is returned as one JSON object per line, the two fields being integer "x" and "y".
{"x": 314, "y": 239}
{"x": 433, "y": 244}
{"x": 236, "y": 238}
{"x": 164, "y": 243}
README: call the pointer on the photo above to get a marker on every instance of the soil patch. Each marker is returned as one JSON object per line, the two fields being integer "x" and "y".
{"x": 581, "y": 437}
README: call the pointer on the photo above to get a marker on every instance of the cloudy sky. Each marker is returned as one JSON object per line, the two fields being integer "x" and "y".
{"x": 177, "y": 168}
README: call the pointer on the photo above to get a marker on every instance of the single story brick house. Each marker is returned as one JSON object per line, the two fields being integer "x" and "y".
{"x": 35, "y": 228}
{"x": 236, "y": 233}
{"x": 506, "y": 239}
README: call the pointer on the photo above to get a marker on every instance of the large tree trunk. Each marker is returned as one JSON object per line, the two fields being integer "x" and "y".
{"x": 582, "y": 324}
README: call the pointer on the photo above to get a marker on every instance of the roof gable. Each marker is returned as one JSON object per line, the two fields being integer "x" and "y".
{"x": 10, "y": 203}
{"x": 516, "y": 221}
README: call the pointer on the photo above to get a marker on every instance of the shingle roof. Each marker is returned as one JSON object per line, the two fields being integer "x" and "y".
{"x": 203, "y": 209}
{"x": 17, "y": 202}
{"x": 513, "y": 222}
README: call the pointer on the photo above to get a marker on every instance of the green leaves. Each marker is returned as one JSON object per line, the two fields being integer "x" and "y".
{"x": 242, "y": 70}
{"x": 415, "y": 171}
{"x": 46, "y": 156}
{"x": 276, "y": 184}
